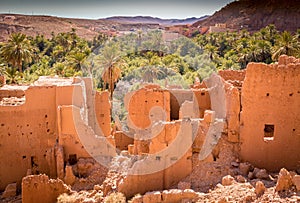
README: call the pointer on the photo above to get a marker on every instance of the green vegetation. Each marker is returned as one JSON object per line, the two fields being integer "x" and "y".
{"x": 236, "y": 49}
{"x": 140, "y": 56}
{"x": 23, "y": 59}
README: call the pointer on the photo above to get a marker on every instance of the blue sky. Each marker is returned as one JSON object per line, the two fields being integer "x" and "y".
{"x": 105, "y": 8}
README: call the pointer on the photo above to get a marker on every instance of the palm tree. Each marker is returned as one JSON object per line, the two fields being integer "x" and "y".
{"x": 212, "y": 51}
{"x": 76, "y": 60}
{"x": 149, "y": 73}
{"x": 12, "y": 75}
{"x": 264, "y": 51}
{"x": 271, "y": 33}
{"x": 17, "y": 51}
{"x": 111, "y": 61}
{"x": 243, "y": 58}
{"x": 58, "y": 53}
{"x": 287, "y": 44}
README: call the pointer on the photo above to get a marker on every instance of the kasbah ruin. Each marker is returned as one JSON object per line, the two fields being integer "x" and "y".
{"x": 236, "y": 134}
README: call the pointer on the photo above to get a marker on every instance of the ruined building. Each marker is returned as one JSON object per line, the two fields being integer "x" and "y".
{"x": 175, "y": 138}
{"x": 37, "y": 128}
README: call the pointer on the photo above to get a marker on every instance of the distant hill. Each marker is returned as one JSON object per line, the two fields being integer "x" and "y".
{"x": 256, "y": 14}
{"x": 33, "y": 25}
{"x": 45, "y": 25}
{"x": 153, "y": 20}
{"x": 37, "y": 24}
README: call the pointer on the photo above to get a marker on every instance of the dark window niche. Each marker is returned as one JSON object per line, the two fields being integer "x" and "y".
{"x": 269, "y": 132}
{"x": 72, "y": 159}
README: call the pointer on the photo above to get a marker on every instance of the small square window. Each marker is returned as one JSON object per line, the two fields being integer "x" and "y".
{"x": 269, "y": 132}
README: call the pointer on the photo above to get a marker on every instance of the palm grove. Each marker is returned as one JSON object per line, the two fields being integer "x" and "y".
{"x": 140, "y": 56}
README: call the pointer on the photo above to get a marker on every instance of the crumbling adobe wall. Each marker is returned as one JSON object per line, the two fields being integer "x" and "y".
{"x": 154, "y": 139}
{"x": 209, "y": 171}
{"x": 122, "y": 140}
{"x": 177, "y": 98}
{"x": 270, "y": 117}
{"x": 134, "y": 184}
{"x": 233, "y": 74}
{"x": 39, "y": 133}
{"x": 162, "y": 139}
{"x": 39, "y": 188}
{"x": 234, "y": 77}
{"x": 140, "y": 106}
{"x": 27, "y": 132}
{"x": 68, "y": 137}
{"x": 201, "y": 101}
{"x": 233, "y": 107}
{"x": 102, "y": 111}
{"x": 8, "y": 93}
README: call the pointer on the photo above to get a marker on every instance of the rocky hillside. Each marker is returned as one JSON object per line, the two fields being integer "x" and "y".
{"x": 85, "y": 28}
{"x": 152, "y": 20}
{"x": 255, "y": 14}
{"x": 33, "y": 25}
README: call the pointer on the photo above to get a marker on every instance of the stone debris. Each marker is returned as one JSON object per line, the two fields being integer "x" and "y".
{"x": 97, "y": 187}
{"x": 236, "y": 192}
{"x": 257, "y": 191}
{"x": 173, "y": 195}
{"x": 296, "y": 181}
{"x": 137, "y": 199}
{"x": 241, "y": 179}
{"x": 284, "y": 181}
{"x": 227, "y": 180}
{"x": 260, "y": 173}
{"x": 69, "y": 177}
{"x": 184, "y": 185}
{"x": 235, "y": 164}
{"x": 259, "y": 188}
{"x": 244, "y": 168}
{"x": 82, "y": 196}
{"x": 170, "y": 196}
{"x": 150, "y": 197}
{"x": 251, "y": 175}
{"x": 88, "y": 179}
{"x": 10, "y": 191}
